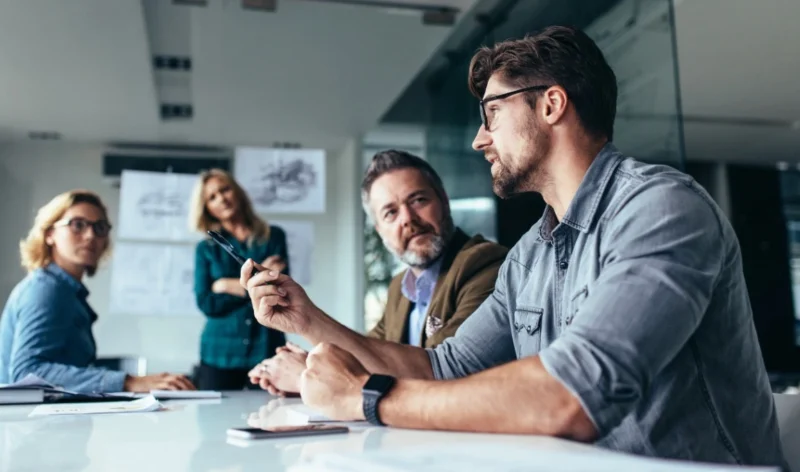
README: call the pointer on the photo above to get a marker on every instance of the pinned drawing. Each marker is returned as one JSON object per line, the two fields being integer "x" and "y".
{"x": 154, "y": 206}
{"x": 161, "y": 204}
{"x": 283, "y": 180}
{"x": 153, "y": 279}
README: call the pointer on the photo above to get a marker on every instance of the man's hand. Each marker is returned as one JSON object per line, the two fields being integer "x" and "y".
{"x": 157, "y": 382}
{"x": 278, "y": 301}
{"x": 332, "y": 382}
{"x": 280, "y": 374}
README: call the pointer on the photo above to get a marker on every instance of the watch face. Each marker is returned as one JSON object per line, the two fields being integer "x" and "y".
{"x": 378, "y": 383}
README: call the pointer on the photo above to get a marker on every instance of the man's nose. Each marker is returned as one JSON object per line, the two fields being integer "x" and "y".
{"x": 482, "y": 139}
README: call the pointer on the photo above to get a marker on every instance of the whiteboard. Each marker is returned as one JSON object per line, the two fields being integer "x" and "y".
{"x": 154, "y": 206}
{"x": 300, "y": 242}
{"x": 282, "y": 180}
{"x": 153, "y": 279}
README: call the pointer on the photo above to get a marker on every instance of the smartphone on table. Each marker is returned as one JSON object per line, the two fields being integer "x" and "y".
{"x": 287, "y": 431}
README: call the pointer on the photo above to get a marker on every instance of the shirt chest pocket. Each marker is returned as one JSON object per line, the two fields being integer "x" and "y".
{"x": 528, "y": 330}
{"x": 575, "y": 302}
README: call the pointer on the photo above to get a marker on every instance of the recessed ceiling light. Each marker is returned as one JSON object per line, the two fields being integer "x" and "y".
{"x": 44, "y": 135}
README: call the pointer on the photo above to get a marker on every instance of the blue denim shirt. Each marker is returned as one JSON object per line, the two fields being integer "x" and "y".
{"x": 636, "y": 302}
{"x": 46, "y": 329}
{"x": 419, "y": 290}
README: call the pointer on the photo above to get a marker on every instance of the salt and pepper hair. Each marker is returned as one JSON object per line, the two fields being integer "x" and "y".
{"x": 391, "y": 160}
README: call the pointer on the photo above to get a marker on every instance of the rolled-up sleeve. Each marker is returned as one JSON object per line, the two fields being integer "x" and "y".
{"x": 482, "y": 341}
{"x": 660, "y": 261}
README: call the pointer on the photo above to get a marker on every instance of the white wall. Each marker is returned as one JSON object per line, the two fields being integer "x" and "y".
{"x": 33, "y": 173}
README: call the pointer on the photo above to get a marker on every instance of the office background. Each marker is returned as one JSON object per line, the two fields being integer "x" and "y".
{"x": 708, "y": 86}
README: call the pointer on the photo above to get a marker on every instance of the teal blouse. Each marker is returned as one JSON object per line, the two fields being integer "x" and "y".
{"x": 232, "y": 338}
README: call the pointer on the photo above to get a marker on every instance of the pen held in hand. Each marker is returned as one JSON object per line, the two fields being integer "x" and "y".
{"x": 228, "y": 247}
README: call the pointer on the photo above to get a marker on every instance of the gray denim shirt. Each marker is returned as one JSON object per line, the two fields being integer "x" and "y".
{"x": 636, "y": 302}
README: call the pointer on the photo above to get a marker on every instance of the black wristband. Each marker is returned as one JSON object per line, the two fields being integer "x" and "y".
{"x": 374, "y": 390}
{"x": 370, "y": 405}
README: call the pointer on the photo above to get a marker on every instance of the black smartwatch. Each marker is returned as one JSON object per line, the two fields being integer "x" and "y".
{"x": 377, "y": 387}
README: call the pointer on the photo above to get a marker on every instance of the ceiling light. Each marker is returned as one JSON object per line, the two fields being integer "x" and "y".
{"x": 44, "y": 135}
{"x": 260, "y": 5}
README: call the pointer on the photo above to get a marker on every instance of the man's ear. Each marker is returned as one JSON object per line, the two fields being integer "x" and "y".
{"x": 555, "y": 103}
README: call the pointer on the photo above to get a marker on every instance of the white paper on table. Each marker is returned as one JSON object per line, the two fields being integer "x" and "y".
{"x": 155, "y": 206}
{"x": 146, "y": 404}
{"x": 153, "y": 279}
{"x": 185, "y": 394}
{"x": 304, "y": 414}
{"x": 29, "y": 381}
{"x": 502, "y": 457}
{"x": 173, "y": 394}
{"x": 282, "y": 180}
{"x": 300, "y": 242}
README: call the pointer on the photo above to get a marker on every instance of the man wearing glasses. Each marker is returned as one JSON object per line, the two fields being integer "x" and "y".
{"x": 621, "y": 318}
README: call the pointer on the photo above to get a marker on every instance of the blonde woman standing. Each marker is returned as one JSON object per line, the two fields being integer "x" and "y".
{"x": 46, "y": 326}
{"x": 232, "y": 341}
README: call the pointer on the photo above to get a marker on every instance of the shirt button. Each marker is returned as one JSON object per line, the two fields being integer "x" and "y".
{"x": 563, "y": 265}
{"x": 245, "y": 341}
{"x": 248, "y": 321}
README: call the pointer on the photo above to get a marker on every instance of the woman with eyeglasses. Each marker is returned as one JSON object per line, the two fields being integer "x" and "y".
{"x": 46, "y": 326}
{"x": 232, "y": 341}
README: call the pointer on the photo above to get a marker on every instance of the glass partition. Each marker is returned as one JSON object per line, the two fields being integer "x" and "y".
{"x": 637, "y": 37}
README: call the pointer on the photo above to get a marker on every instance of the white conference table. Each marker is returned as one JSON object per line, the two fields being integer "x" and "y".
{"x": 190, "y": 435}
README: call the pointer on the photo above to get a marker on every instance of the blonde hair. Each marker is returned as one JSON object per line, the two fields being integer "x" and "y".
{"x": 201, "y": 220}
{"x": 34, "y": 250}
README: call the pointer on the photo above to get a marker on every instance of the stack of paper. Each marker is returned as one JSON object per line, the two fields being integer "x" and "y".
{"x": 148, "y": 403}
{"x": 30, "y": 389}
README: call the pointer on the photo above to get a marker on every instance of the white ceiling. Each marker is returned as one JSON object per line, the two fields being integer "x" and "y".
{"x": 314, "y": 73}
{"x": 318, "y": 73}
{"x": 740, "y": 60}
{"x": 77, "y": 67}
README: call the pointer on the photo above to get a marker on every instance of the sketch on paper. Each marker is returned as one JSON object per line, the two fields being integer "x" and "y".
{"x": 161, "y": 204}
{"x": 153, "y": 279}
{"x": 154, "y": 206}
{"x": 283, "y": 180}
{"x": 300, "y": 242}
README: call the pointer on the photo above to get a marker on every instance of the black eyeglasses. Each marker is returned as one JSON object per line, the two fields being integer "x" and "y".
{"x": 101, "y": 228}
{"x": 486, "y": 119}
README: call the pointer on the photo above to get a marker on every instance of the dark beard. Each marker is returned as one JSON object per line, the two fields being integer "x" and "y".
{"x": 529, "y": 176}
{"x": 505, "y": 183}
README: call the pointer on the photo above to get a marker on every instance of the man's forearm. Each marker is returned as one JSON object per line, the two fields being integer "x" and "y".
{"x": 376, "y": 355}
{"x": 515, "y": 398}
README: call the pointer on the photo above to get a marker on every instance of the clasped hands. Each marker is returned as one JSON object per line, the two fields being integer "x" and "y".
{"x": 328, "y": 378}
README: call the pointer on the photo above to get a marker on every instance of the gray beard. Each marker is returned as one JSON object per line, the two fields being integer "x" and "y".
{"x": 429, "y": 256}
